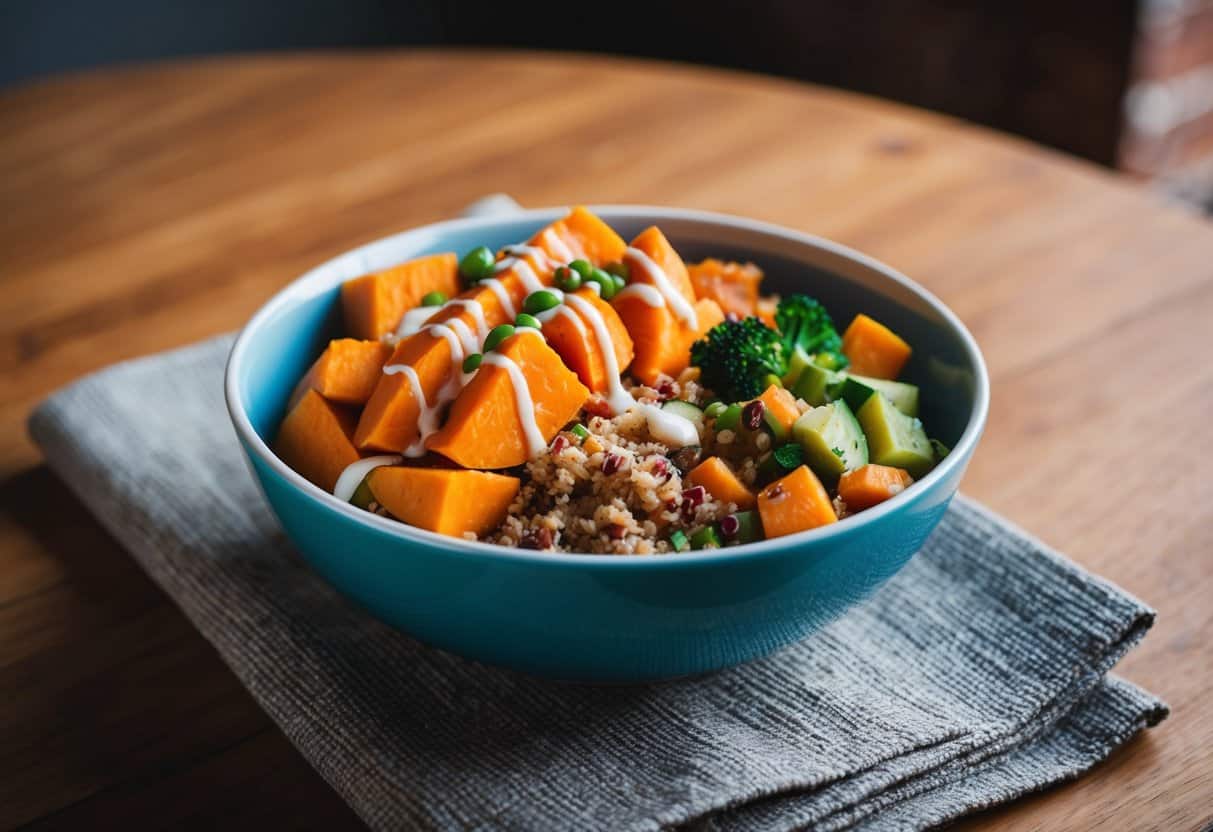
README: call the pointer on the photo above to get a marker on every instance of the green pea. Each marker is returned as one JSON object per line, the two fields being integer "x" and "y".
{"x": 582, "y": 267}
{"x": 472, "y": 362}
{"x": 477, "y": 264}
{"x": 715, "y": 409}
{"x": 620, "y": 283}
{"x": 567, "y": 279}
{"x": 496, "y": 335}
{"x": 433, "y": 299}
{"x": 606, "y": 283}
{"x": 540, "y": 301}
{"x": 619, "y": 269}
{"x": 528, "y": 321}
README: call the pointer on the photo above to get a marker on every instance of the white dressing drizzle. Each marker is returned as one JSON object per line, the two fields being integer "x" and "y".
{"x": 557, "y": 246}
{"x": 644, "y": 292}
{"x": 617, "y": 397}
{"x": 413, "y": 321}
{"x": 355, "y": 473}
{"x": 503, "y": 296}
{"x": 522, "y": 395}
{"x": 477, "y": 312}
{"x": 670, "y": 428}
{"x": 682, "y": 308}
{"x": 427, "y": 416}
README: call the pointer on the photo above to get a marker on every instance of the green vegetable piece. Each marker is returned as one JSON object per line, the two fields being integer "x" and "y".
{"x": 730, "y": 419}
{"x": 620, "y": 283}
{"x": 619, "y": 269}
{"x": 477, "y": 264}
{"x": 789, "y": 456}
{"x": 472, "y": 362}
{"x": 566, "y": 279}
{"x": 803, "y": 322}
{"x": 714, "y": 410}
{"x": 895, "y": 439}
{"x": 749, "y": 528}
{"x": 362, "y": 496}
{"x": 540, "y": 301}
{"x": 606, "y": 283}
{"x": 798, "y": 360}
{"x": 941, "y": 450}
{"x": 678, "y": 541}
{"x": 529, "y": 321}
{"x": 687, "y": 411}
{"x": 832, "y": 440}
{"x": 705, "y": 538}
{"x": 772, "y": 379}
{"x": 857, "y": 389}
{"x": 830, "y": 360}
{"x": 583, "y": 268}
{"x": 735, "y": 358}
{"x": 814, "y": 384}
{"x": 580, "y": 431}
{"x": 496, "y": 335}
{"x": 433, "y": 299}
{"x": 769, "y": 468}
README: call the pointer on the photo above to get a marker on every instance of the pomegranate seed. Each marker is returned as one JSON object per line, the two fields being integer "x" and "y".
{"x": 665, "y": 389}
{"x": 661, "y": 468}
{"x": 559, "y": 444}
{"x": 695, "y": 496}
{"x": 617, "y": 531}
{"x": 598, "y": 406}
{"x": 611, "y": 464}
{"x": 540, "y": 538}
{"x": 751, "y": 414}
{"x": 730, "y": 525}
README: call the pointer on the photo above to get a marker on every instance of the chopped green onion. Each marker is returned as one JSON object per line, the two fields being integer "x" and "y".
{"x": 472, "y": 362}
{"x": 477, "y": 264}
{"x": 705, "y": 538}
{"x": 433, "y": 299}
{"x": 540, "y": 301}
{"x": 580, "y": 432}
{"x": 529, "y": 321}
{"x": 678, "y": 541}
{"x": 496, "y": 335}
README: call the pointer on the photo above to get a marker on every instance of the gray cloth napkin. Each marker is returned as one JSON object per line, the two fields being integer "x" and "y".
{"x": 976, "y": 675}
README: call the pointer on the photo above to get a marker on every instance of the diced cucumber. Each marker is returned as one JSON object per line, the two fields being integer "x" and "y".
{"x": 814, "y": 384}
{"x": 857, "y": 389}
{"x": 894, "y": 438}
{"x": 705, "y": 537}
{"x": 730, "y": 419}
{"x": 362, "y": 496}
{"x": 687, "y": 411}
{"x": 678, "y": 541}
{"x": 796, "y": 364}
{"x": 832, "y": 440}
{"x": 749, "y": 528}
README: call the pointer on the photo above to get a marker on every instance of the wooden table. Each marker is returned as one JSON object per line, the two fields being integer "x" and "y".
{"x": 146, "y": 208}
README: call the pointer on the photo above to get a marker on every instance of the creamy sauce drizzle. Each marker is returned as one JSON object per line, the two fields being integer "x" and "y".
{"x": 644, "y": 292}
{"x": 356, "y": 472}
{"x": 522, "y": 395}
{"x": 413, "y": 321}
{"x": 681, "y": 307}
{"x": 427, "y": 418}
{"x": 503, "y": 296}
{"x": 477, "y": 312}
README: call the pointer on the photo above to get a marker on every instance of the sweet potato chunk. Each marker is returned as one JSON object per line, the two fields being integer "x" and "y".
{"x": 389, "y": 420}
{"x": 662, "y": 340}
{"x": 571, "y": 333}
{"x": 872, "y": 484}
{"x": 781, "y": 410}
{"x": 874, "y": 349}
{"x": 795, "y": 503}
{"x": 449, "y": 502}
{"x": 719, "y": 480}
{"x": 314, "y": 439}
{"x": 374, "y": 303}
{"x": 485, "y": 428}
{"x": 583, "y": 235}
{"x": 346, "y": 372}
{"x": 734, "y": 286}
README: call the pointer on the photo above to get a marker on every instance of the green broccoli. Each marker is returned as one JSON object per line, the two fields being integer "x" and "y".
{"x": 805, "y": 323}
{"x": 736, "y": 357}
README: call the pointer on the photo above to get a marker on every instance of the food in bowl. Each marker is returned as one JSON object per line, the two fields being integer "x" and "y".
{"x": 578, "y": 393}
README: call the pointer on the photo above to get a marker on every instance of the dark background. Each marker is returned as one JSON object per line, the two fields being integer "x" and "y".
{"x": 1055, "y": 72}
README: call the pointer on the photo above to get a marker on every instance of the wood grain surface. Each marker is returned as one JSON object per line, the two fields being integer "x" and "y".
{"x": 145, "y": 208}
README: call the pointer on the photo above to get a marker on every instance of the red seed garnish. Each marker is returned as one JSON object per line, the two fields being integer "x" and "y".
{"x": 540, "y": 538}
{"x": 617, "y": 531}
{"x": 560, "y": 443}
{"x": 665, "y": 389}
{"x": 751, "y": 414}
{"x": 611, "y": 464}
{"x": 695, "y": 496}
{"x": 661, "y": 468}
{"x": 598, "y": 406}
{"x": 730, "y": 525}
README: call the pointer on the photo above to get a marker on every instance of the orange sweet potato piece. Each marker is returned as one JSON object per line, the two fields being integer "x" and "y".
{"x": 442, "y": 500}
{"x": 795, "y": 503}
{"x": 874, "y": 349}
{"x": 781, "y": 405}
{"x": 485, "y": 428}
{"x": 584, "y": 235}
{"x": 734, "y": 286}
{"x": 389, "y": 420}
{"x": 314, "y": 439}
{"x": 374, "y": 303}
{"x": 346, "y": 372}
{"x": 871, "y": 484}
{"x": 571, "y": 333}
{"x": 719, "y": 480}
{"x": 764, "y": 310}
{"x": 653, "y": 243}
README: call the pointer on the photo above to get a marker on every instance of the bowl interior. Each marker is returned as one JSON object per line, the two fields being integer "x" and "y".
{"x": 288, "y": 334}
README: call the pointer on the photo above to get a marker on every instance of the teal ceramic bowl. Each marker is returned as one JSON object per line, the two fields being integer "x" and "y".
{"x": 599, "y": 617}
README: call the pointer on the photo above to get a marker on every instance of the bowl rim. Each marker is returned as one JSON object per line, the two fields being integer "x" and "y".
{"x": 306, "y": 286}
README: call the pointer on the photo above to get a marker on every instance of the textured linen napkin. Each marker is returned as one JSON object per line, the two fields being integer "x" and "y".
{"x": 977, "y": 674}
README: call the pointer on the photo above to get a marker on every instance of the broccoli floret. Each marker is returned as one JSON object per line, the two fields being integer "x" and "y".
{"x": 736, "y": 357}
{"x": 805, "y": 323}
